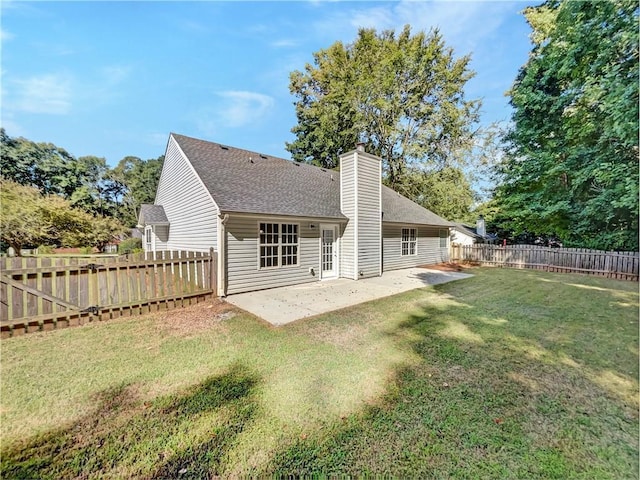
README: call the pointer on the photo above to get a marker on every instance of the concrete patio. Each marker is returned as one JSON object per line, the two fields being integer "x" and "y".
{"x": 280, "y": 306}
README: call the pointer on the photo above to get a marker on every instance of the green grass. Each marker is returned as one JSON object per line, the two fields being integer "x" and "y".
{"x": 509, "y": 374}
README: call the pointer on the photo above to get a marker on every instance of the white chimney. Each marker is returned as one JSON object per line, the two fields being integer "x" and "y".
{"x": 361, "y": 203}
{"x": 480, "y": 230}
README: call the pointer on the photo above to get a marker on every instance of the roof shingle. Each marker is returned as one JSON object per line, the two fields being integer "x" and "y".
{"x": 249, "y": 182}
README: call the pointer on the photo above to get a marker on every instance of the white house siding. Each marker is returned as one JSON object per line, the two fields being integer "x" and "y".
{"x": 461, "y": 238}
{"x": 161, "y": 233}
{"x": 428, "y": 247}
{"x": 242, "y": 256}
{"x": 368, "y": 215}
{"x": 187, "y": 203}
{"x": 348, "y": 207}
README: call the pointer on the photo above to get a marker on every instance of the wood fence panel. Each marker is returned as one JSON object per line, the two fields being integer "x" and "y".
{"x": 618, "y": 265}
{"x": 44, "y": 293}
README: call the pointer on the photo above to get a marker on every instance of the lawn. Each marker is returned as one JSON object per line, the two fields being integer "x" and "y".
{"x": 509, "y": 374}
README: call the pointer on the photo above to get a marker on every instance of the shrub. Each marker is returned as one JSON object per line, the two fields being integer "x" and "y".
{"x": 45, "y": 250}
{"x": 130, "y": 245}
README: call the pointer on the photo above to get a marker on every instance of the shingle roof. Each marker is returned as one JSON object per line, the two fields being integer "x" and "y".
{"x": 467, "y": 229}
{"x": 244, "y": 181}
{"x": 152, "y": 215}
{"x": 249, "y": 182}
{"x": 399, "y": 209}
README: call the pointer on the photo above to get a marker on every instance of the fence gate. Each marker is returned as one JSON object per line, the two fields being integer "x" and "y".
{"x": 50, "y": 292}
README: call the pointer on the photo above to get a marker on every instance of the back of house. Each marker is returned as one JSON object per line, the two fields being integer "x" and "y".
{"x": 275, "y": 222}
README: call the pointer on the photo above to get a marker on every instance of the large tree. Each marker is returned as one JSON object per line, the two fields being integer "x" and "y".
{"x": 86, "y": 182}
{"x": 135, "y": 182}
{"x": 403, "y": 95}
{"x": 572, "y": 162}
{"x": 30, "y": 219}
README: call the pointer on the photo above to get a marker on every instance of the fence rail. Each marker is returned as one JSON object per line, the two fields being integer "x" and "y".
{"x": 619, "y": 265}
{"x": 44, "y": 293}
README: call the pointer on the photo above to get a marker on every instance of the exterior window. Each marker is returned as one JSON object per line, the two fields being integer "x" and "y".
{"x": 278, "y": 244}
{"x": 444, "y": 238}
{"x": 408, "y": 241}
{"x": 147, "y": 237}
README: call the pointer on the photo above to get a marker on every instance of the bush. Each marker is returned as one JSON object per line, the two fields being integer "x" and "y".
{"x": 130, "y": 245}
{"x": 45, "y": 250}
{"x": 87, "y": 250}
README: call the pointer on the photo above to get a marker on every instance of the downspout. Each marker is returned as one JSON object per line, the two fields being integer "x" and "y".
{"x": 222, "y": 255}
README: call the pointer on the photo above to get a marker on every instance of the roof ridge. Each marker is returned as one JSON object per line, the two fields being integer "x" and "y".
{"x": 259, "y": 154}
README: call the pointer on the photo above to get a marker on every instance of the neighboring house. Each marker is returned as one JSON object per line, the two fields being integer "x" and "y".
{"x": 275, "y": 222}
{"x": 463, "y": 234}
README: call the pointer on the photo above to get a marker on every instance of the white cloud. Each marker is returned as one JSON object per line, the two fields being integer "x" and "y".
{"x": 48, "y": 93}
{"x": 284, "y": 43}
{"x": 115, "y": 74}
{"x": 241, "y": 108}
{"x": 236, "y": 108}
{"x": 463, "y": 23}
{"x": 6, "y": 36}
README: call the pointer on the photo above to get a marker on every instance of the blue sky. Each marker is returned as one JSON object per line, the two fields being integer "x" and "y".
{"x": 113, "y": 79}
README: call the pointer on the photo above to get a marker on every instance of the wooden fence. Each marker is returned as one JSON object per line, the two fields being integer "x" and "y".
{"x": 620, "y": 265}
{"x": 43, "y": 293}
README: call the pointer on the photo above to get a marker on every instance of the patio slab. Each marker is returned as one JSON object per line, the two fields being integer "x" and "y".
{"x": 283, "y": 305}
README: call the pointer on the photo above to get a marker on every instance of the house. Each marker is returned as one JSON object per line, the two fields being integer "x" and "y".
{"x": 276, "y": 222}
{"x": 463, "y": 234}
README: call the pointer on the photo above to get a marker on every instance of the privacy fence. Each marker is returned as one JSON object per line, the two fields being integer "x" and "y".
{"x": 620, "y": 265}
{"x": 44, "y": 293}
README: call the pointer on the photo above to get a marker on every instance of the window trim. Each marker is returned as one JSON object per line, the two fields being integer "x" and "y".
{"x": 444, "y": 237}
{"x": 410, "y": 241}
{"x": 279, "y": 245}
{"x": 148, "y": 238}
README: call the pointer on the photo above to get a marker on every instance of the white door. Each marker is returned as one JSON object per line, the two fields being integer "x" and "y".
{"x": 328, "y": 252}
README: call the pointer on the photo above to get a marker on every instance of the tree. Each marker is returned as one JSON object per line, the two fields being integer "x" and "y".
{"x": 445, "y": 192}
{"x": 402, "y": 95}
{"x": 571, "y": 166}
{"x": 27, "y": 218}
{"x": 135, "y": 182}
{"x": 21, "y": 212}
{"x": 52, "y": 170}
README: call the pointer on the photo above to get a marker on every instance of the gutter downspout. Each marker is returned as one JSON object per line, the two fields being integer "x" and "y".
{"x": 222, "y": 255}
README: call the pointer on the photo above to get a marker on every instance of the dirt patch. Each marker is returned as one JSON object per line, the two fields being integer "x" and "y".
{"x": 449, "y": 267}
{"x": 196, "y": 318}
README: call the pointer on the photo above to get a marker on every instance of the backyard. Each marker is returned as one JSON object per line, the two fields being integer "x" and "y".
{"x": 508, "y": 374}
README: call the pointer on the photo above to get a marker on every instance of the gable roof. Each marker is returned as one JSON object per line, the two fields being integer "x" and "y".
{"x": 466, "y": 229}
{"x": 152, "y": 215}
{"x": 250, "y": 182}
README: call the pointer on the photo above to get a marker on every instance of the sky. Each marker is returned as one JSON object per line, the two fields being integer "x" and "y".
{"x": 113, "y": 79}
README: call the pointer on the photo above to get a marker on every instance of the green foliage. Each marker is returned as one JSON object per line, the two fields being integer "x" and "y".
{"x": 86, "y": 182}
{"x": 130, "y": 245}
{"x": 135, "y": 183}
{"x": 21, "y": 216}
{"x": 45, "y": 249}
{"x": 403, "y": 95}
{"x": 446, "y": 192}
{"x": 28, "y": 219}
{"x": 572, "y": 161}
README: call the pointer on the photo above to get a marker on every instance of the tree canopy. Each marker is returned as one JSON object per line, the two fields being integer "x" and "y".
{"x": 30, "y": 219}
{"x": 571, "y": 166}
{"x": 87, "y": 183}
{"x": 402, "y": 95}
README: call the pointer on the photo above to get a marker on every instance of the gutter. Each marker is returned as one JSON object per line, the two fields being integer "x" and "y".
{"x": 222, "y": 254}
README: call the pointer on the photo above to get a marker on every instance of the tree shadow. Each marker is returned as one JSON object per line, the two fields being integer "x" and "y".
{"x": 186, "y": 435}
{"x": 491, "y": 396}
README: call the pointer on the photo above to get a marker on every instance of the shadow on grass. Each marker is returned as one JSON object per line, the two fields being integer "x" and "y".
{"x": 184, "y": 436}
{"x": 489, "y": 398}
